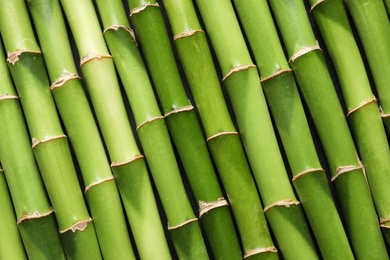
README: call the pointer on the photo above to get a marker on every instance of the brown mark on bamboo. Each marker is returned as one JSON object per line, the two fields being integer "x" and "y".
{"x": 348, "y": 168}
{"x": 238, "y": 69}
{"x": 304, "y": 51}
{"x": 116, "y": 27}
{"x": 13, "y": 56}
{"x": 65, "y": 77}
{"x": 91, "y": 56}
{"x": 182, "y": 224}
{"x": 364, "y": 103}
{"x": 186, "y": 34}
{"x": 277, "y": 73}
{"x": 220, "y": 134}
{"x": 8, "y": 96}
{"x": 132, "y": 159}
{"x": 311, "y": 170}
{"x": 284, "y": 203}
{"x": 149, "y": 121}
{"x": 140, "y": 8}
{"x": 316, "y": 4}
{"x": 257, "y": 251}
{"x": 205, "y": 207}
{"x": 78, "y": 226}
{"x": 34, "y": 215}
{"x": 88, "y": 187}
{"x": 178, "y": 110}
{"x": 36, "y": 142}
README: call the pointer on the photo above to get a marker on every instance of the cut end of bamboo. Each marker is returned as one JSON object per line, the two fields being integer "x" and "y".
{"x": 282, "y": 203}
{"x": 92, "y": 56}
{"x": 13, "y": 57}
{"x": 304, "y": 51}
{"x": 257, "y": 251}
{"x": 79, "y": 226}
{"x": 36, "y": 142}
{"x": 34, "y": 215}
{"x": 205, "y": 207}
{"x": 88, "y": 187}
{"x": 186, "y": 34}
{"x": 134, "y": 158}
{"x": 141, "y": 8}
{"x": 65, "y": 77}
{"x": 182, "y": 224}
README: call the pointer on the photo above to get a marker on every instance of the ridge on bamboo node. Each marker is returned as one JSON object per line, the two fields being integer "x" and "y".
{"x": 34, "y": 215}
{"x": 182, "y": 224}
{"x": 13, "y": 56}
{"x": 79, "y": 226}
{"x": 205, "y": 207}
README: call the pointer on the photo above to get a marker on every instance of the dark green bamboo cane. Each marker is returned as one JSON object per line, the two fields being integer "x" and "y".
{"x": 315, "y": 83}
{"x": 373, "y": 27}
{"x": 153, "y": 133}
{"x": 241, "y": 80}
{"x": 185, "y": 130}
{"x": 282, "y": 96}
{"x": 222, "y": 137}
{"x": 387, "y": 4}
{"x": 11, "y": 245}
{"x": 100, "y": 188}
{"x": 49, "y": 143}
{"x": 127, "y": 163}
{"x": 363, "y": 113}
{"x": 35, "y": 218}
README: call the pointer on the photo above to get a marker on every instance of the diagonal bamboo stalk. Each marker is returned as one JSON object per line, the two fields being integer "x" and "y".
{"x": 49, "y": 144}
{"x": 100, "y": 188}
{"x": 185, "y": 130}
{"x": 316, "y": 86}
{"x": 282, "y": 209}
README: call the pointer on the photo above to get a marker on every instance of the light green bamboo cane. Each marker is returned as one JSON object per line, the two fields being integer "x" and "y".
{"x": 49, "y": 143}
{"x": 100, "y": 188}
{"x": 373, "y": 27}
{"x": 363, "y": 113}
{"x": 153, "y": 133}
{"x": 222, "y": 137}
{"x": 127, "y": 163}
{"x": 185, "y": 130}
{"x": 35, "y": 218}
{"x": 283, "y": 98}
{"x": 241, "y": 80}
{"x": 315, "y": 83}
{"x": 11, "y": 245}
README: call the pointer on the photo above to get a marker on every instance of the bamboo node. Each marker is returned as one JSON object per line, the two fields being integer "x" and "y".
{"x": 91, "y": 56}
{"x": 279, "y": 72}
{"x": 220, "y": 134}
{"x": 237, "y": 69}
{"x": 286, "y": 203}
{"x": 382, "y": 112}
{"x": 205, "y": 207}
{"x": 8, "y": 96}
{"x": 65, "y": 77}
{"x": 140, "y": 8}
{"x": 182, "y": 224}
{"x": 132, "y": 159}
{"x": 186, "y": 34}
{"x": 34, "y": 215}
{"x": 256, "y": 251}
{"x": 364, "y": 103}
{"x": 178, "y": 110}
{"x": 88, "y": 187}
{"x": 343, "y": 169}
{"x": 316, "y": 4}
{"x": 384, "y": 222}
{"x": 116, "y": 27}
{"x": 311, "y": 170}
{"x": 13, "y": 57}
{"x": 80, "y": 226}
{"x": 149, "y": 121}
{"x": 304, "y": 51}
{"x": 1, "y": 170}
{"x": 36, "y": 142}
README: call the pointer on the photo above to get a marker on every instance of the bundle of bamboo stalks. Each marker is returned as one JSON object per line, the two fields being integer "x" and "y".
{"x": 179, "y": 129}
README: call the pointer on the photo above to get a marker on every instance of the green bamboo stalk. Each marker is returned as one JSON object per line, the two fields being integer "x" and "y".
{"x": 222, "y": 137}
{"x": 186, "y": 132}
{"x": 128, "y": 165}
{"x": 387, "y": 4}
{"x": 100, "y": 188}
{"x": 315, "y": 83}
{"x": 373, "y": 28}
{"x": 11, "y": 245}
{"x": 243, "y": 86}
{"x": 153, "y": 133}
{"x": 35, "y": 218}
{"x": 50, "y": 145}
{"x": 363, "y": 113}
{"x": 283, "y": 98}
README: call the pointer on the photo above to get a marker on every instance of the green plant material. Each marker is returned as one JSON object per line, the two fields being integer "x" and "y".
{"x": 11, "y": 245}
{"x": 185, "y": 130}
{"x": 100, "y": 188}
{"x": 243, "y": 86}
{"x": 152, "y": 132}
{"x": 128, "y": 165}
{"x": 363, "y": 113}
{"x": 373, "y": 28}
{"x": 387, "y": 4}
{"x": 285, "y": 104}
{"x": 222, "y": 137}
{"x": 315, "y": 83}
{"x": 49, "y": 144}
